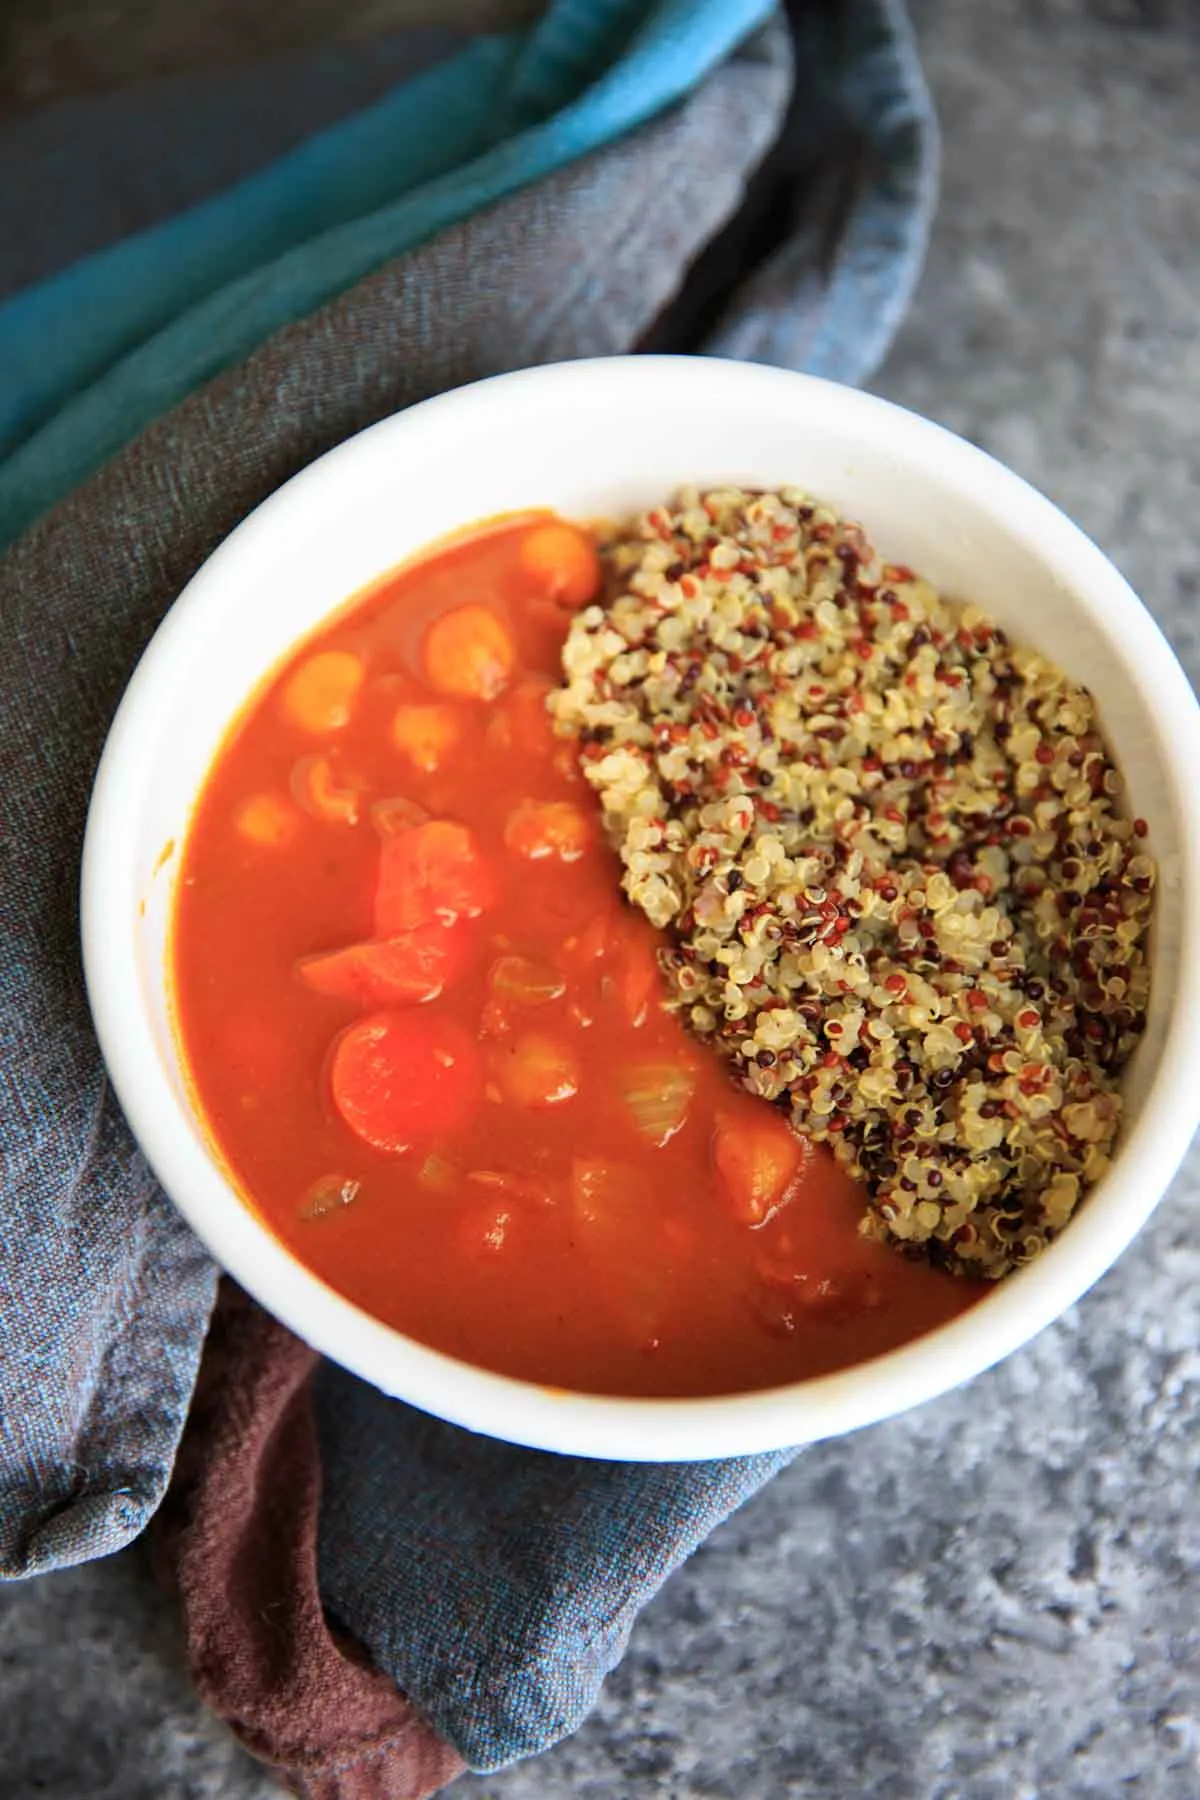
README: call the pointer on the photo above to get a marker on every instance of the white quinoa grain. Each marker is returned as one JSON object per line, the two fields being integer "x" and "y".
{"x": 889, "y": 847}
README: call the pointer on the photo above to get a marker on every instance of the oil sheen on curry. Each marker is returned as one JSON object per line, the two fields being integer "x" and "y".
{"x": 428, "y": 1035}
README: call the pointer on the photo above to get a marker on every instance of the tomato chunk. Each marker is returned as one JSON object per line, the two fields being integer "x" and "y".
{"x": 431, "y": 874}
{"x": 469, "y": 654}
{"x": 758, "y": 1157}
{"x": 562, "y": 561}
{"x": 401, "y": 1078}
{"x": 538, "y": 829}
{"x": 537, "y": 1071}
{"x": 414, "y": 966}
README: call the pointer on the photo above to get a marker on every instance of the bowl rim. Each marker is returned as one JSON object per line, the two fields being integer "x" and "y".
{"x": 635, "y": 1429}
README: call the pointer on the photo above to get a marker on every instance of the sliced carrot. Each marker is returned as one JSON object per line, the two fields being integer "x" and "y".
{"x": 469, "y": 654}
{"x": 267, "y": 820}
{"x": 414, "y": 966}
{"x": 315, "y": 789}
{"x": 401, "y": 1078}
{"x": 758, "y": 1157}
{"x": 433, "y": 874}
{"x": 538, "y": 1071}
{"x": 538, "y": 829}
{"x": 319, "y": 696}
{"x": 563, "y": 564}
{"x": 427, "y": 735}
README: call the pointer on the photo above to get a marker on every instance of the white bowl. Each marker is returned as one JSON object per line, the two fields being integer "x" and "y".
{"x": 596, "y": 438}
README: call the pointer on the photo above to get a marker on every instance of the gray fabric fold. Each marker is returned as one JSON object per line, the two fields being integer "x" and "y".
{"x": 104, "y": 1294}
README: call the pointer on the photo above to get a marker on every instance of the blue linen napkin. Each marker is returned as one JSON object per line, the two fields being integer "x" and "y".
{"x": 497, "y": 1586}
{"x": 91, "y": 355}
{"x": 500, "y": 1617}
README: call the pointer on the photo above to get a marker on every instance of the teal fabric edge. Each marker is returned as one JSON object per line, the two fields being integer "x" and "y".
{"x": 148, "y": 357}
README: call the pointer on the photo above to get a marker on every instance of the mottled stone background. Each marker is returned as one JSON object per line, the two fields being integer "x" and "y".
{"x": 994, "y": 1598}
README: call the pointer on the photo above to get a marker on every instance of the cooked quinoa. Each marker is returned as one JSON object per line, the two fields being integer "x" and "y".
{"x": 890, "y": 849}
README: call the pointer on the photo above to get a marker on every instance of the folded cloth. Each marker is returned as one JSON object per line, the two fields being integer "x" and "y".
{"x": 95, "y": 353}
{"x": 500, "y": 1622}
{"x": 237, "y": 1535}
{"x": 498, "y": 1583}
{"x": 105, "y": 1293}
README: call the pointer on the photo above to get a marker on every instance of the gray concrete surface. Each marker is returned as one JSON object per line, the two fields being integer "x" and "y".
{"x": 994, "y": 1598}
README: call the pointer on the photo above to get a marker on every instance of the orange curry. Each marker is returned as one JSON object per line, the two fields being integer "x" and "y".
{"x": 426, "y": 1031}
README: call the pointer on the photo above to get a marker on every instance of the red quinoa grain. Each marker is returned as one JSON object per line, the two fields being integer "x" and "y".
{"x": 943, "y": 836}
